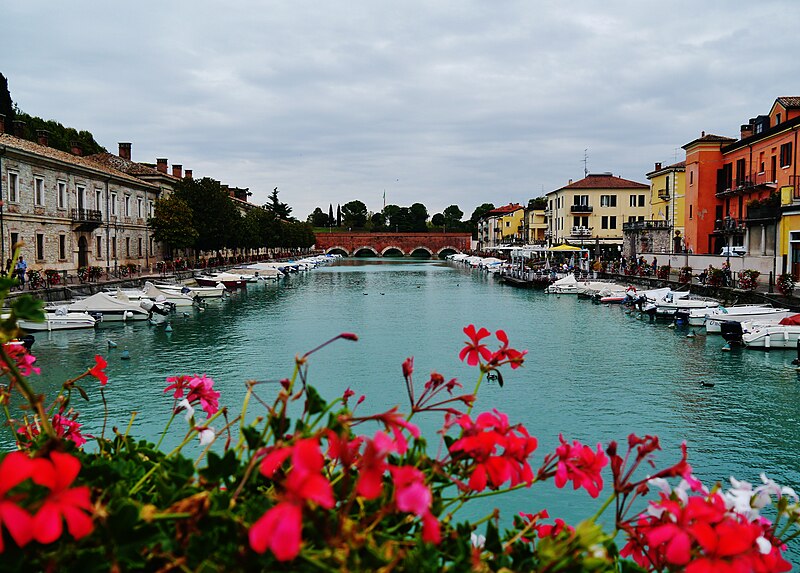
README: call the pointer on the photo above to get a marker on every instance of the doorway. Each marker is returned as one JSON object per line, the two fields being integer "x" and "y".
{"x": 83, "y": 252}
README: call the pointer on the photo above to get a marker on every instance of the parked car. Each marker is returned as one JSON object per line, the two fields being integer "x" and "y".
{"x": 733, "y": 251}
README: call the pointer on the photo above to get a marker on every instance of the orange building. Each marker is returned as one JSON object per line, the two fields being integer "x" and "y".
{"x": 733, "y": 185}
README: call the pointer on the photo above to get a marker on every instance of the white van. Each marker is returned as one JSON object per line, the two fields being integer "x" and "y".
{"x": 733, "y": 251}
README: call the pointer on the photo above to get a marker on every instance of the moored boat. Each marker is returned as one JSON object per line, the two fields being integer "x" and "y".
{"x": 108, "y": 308}
{"x": 60, "y": 319}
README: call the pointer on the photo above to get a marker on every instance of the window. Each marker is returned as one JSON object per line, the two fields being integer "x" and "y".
{"x": 98, "y": 240}
{"x": 81, "y": 197}
{"x": 690, "y": 211}
{"x": 777, "y": 118}
{"x": 580, "y": 200}
{"x": 127, "y": 246}
{"x": 113, "y": 247}
{"x": 13, "y": 187}
{"x": 691, "y": 177}
{"x": 740, "y": 172}
{"x": 641, "y": 218}
{"x": 38, "y": 191}
{"x": 632, "y": 200}
{"x": 140, "y": 208}
{"x": 14, "y": 241}
{"x": 151, "y": 209}
{"x": 604, "y": 222}
{"x": 786, "y": 155}
{"x": 127, "y": 206}
{"x": 761, "y": 162}
{"x": 641, "y": 200}
{"x": 113, "y": 204}
{"x": 612, "y": 222}
{"x": 98, "y": 199}
{"x": 140, "y": 246}
{"x": 39, "y": 247}
{"x": 608, "y": 200}
{"x": 61, "y": 188}
{"x": 62, "y": 247}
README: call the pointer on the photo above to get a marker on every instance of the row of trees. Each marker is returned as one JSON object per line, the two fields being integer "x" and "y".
{"x": 200, "y": 215}
{"x": 393, "y": 218}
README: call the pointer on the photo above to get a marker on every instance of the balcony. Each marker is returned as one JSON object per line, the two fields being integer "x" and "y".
{"x": 729, "y": 227}
{"x": 645, "y": 225}
{"x": 581, "y": 232}
{"x": 548, "y": 212}
{"x": 580, "y": 209}
{"x": 86, "y": 219}
{"x": 761, "y": 213}
{"x": 663, "y": 194}
{"x": 746, "y": 184}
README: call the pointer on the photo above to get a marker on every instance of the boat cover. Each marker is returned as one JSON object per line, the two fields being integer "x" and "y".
{"x": 793, "y": 320}
{"x": 102, "y": 302}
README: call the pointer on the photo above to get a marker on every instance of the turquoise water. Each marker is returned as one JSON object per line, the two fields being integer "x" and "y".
{"x": 592, "y": 372}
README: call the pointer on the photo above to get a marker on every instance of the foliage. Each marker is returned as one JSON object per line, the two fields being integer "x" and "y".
{"x": 6, "y": 104}
{"x": 685, "y": 275}
{"x": 354, "y": 215}
{"x": 663, "y": 272}
{"x": 172, "y": 223}
{"x": 716, "y": 277}
{"x": 452, "y": 218}
{"x": 214, "y": 216}
{"x": 538, "y": 203}
{"x": 52, "y": 276}
{"x": 748, "y": 279}
{"x": 281, "y": 210}
{"x": 35, "y": 279}
{"x": 307, "y": 485}
{"x": 58, "y": 136}
{"x": 479, "y": 212}
{"x": 318, "y": 218}
{"x": 785, "y": 284}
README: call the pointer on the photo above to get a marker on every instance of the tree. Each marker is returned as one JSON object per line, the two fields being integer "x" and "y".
{"x": 419, "y": 217}
{"x": 452, "y": 218}
{"x": 438, "y": 220}
{"x": 214, "y": 216}
{"x": 378, "y": 222}
{"x": 282, "y": 210}
{"x": 172, "y": 223}
{"x": 338, "y": 215}
{"x": 330, "y": 215}
{"x": 539, "y": 203}
{"x": 318, "y": 218}
{"x": 6, "y": 104}
{"x": 479, "y": 212}
{"x": 248, "y": 233}
{"x": 354, "y": 214}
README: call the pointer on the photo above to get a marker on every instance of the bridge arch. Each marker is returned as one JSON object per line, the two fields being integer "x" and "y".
{"x": 365, "y": 251}
{"x": 392, "y": 251}
{"x": 337, "y": 250}
{"x": 420, "y": 250}
{"x": 448, "y": 250}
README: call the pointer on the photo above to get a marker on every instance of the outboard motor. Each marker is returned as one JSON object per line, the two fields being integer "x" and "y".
{"x": 731, "y": 331}
{"x": 681, "y": 317}
{"x": 27, "y": 341}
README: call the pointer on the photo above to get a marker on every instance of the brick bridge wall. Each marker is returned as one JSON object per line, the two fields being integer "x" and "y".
{"x": 406, "y": 243}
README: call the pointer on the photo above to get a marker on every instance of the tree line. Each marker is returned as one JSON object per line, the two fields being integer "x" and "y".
{"x": 394, "y": 218}
{"x": 200, "y": 215}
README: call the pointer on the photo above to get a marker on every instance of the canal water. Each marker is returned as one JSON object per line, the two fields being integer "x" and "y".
{"x": 592, "y": 373}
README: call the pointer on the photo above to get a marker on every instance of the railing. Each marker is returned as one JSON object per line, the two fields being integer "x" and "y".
{"x": 762, "y": 212}
{"x": 580, "y": 209}
{"x": 87, "y": 216}
{"x": 581, "y": 232}
{"x": 729, "y": 226}
{"x": 548, "y": 212}
{"x": 746, "y": 183}
{"x": 663, "y": 194}
{"x": 643, "y": 225}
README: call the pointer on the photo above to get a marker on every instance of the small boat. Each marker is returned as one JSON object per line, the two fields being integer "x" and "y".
{"x": 60, "y": 319}
{"x": 159, "y": 310}
{"x": 216, "y": 291}
{"x": 713, "y": 318}
{"x": 678, "y": 304}
{"x": 567, "y": 285}
{"x": 784, "y": 334}
{"x": 230, "y": 280}
{"x": 108, "y": 308}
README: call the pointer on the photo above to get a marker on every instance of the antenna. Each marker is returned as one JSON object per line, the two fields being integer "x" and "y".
{"x": 585, "y": 163}
{"x": 676, "y": 155}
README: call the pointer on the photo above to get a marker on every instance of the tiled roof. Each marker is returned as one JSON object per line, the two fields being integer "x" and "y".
{"x": 789, "y": 101}
{"x": 64, "y": 157}
{"x": 510, "y": 208}
{"x": 709, "y": 138}
{"x": 604, "y": 181}
{"x": 125, "y": 165}
{"x": 674, "y": 166}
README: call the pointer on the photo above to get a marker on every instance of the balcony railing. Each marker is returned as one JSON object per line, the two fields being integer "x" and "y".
{"x": 663, "y": 194}
{"x": 747, "y": 183}
{"x": 645, "y": 225}
{"x": 548, "y": 212}
{"x": 763, "y": 212}
{"x": 581, "y": 232}
{"x": 729, "y": 226}
{"x": 87, "y": 219}
{"x": 580, "y": 209}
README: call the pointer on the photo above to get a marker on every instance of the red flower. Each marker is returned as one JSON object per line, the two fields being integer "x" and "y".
{"x": 413, "y": 496}
{"x": 23, "y": 360}
{"x": 178, "y": 384}
{"x": 15, "y": 468}
{"x": 581, "y": 465}
{"x": 372, "y": 465}
{"x": 63, "y": 503}
{"x": 199, "y": 390}
{"x": 98, "y": 369}
{"x": 474, "y": 350}
{"x": 279, "y": 530}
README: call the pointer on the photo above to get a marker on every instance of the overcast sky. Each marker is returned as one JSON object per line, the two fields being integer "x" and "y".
{"x": 436, "y": 102}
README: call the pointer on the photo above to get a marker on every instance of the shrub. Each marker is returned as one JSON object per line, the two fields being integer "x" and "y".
{"x": 685, "y": 275}
{"x": 748, "y": 279}
{"x": 786, "y": 284}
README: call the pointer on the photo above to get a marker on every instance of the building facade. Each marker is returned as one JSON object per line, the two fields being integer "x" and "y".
{"x": 591, "y": 212}
{"x": 502, "y": 226}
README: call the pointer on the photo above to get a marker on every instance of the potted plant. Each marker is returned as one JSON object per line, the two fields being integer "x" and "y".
{"x": 786, "y": 284}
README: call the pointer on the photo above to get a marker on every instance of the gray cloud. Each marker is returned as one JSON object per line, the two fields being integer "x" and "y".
{"x": 446, "y": 102}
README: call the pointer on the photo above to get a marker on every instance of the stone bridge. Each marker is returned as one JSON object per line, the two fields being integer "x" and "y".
{"x": 393, "y": 244}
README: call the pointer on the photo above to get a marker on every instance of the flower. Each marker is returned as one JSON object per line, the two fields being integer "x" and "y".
{"x": 178, "y": 384}
{"x": 98, "y": 369}
{"x": 15, "y": 468}
{"x": 187, "y": 409}
{"x": 279, "y": 530}
{"x": 206, "y": 435}
{"x": 22, "y": 359}
{"x": 63, "y": 503}
{"x": 581, "y": 465}
{"x": 474, "y": 350}
{"x": 201, "y": 390}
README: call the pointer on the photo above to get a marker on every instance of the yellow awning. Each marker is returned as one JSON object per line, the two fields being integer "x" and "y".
{"x": 565, "y": 248}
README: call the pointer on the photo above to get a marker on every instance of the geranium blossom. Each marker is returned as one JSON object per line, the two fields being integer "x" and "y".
{"x": 199, "y": 389}
{"x": 64, "y": 503}
{"x": 581, "y": 465}
{"x": 22, "y": 359}
{"x": 98, "y": 370}
{"x": 15, "y": 468}
{"x": 475, "y": 350}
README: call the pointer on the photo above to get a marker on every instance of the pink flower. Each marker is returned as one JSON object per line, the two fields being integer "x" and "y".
{"x": 22, "y": 359}
{"x": 178, "y": 384}
{"x": 63, "y": 503}
{"x": 395, "y": 422}
{"x": 198, "y": 389}
{"x": 411, "y": 493}
{"x": 15, "y": 468}
{"x": 98, "y": 369}
{"x": 372, "y": 465}
{"x": 581, "y": 465}
{"x": 279, "y": 530}
{"x": 474, "y": 350}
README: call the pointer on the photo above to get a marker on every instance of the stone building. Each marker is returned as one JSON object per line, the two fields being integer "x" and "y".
{"x": 71, "y": 211}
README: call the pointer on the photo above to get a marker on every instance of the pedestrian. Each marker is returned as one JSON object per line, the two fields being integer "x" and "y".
{"x": 20, "y": 270}
{"x": 8, "y": 267}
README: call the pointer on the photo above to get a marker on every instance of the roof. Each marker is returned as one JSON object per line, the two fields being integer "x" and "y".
{"x": 603, "y": 181}
{"x": 505, "y": 210}
{"x": 125, "y": 165}
{"x": 789, "y": 102}
{"x": 709, "y": 138}
{"x": 26, "y": 146}
{"x": 680, "y": 165}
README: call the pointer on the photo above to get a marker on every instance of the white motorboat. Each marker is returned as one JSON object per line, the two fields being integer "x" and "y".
{"x": 678, "y": 304}
{"x": 193, "y": 291}
{"x": 159, "y": 310}
{"x": 260, "y": 272}
{"x": 176, "y": 298}
{"x": 60, "y": 319}
{"x": 714, "y": 317}
{"x": 108, "y": 308}
{"x": 567, "y": 285}
{"x": 784, "y": 334}
{"x": 230, "y": 280}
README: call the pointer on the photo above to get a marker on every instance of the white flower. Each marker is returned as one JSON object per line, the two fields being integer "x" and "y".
{"x": 477, "y": 540}
{"x": 189, "y": 410}
{"x": 661, "y": 484}
{"x": 206, "y": 436}
{"x": 764, "y": 546}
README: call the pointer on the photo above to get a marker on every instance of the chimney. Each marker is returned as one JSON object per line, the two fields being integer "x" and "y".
{"x": 658, "y": 166}
{"x": 41, "y": 137}
{"x": 161, "y": 165}
{"x": 188, "y": 174}
{"x": 702, "y": 133}
{"x": 2, "y": 123}
{"x": 75, "y": 148}
{"x": 19, "y": 128}
{"x": 177, "y": 171}
{"x": 125, "y": 151}
{"x": 569, "y": 182}
{"x": 746, "y": 130}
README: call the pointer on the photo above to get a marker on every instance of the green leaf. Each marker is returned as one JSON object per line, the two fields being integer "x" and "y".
{"x": 493, "y": 539}
{"x": 314, "y": 402}
{"x": 28, "y": 308}
{"x": 252, "y": 436}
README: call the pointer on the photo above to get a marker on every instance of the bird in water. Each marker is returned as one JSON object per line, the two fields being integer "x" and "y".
{"x": 112, "y": 344}
{"x": 705, "y": 384}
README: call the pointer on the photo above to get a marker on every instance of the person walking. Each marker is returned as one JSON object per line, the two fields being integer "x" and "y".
{"x": 20, "y": 269}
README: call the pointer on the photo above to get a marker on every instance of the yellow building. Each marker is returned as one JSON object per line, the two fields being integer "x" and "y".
{"x": 502, "y": 226}
{"x": 667, "y": 200}
{"x": 591, "y": 212}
